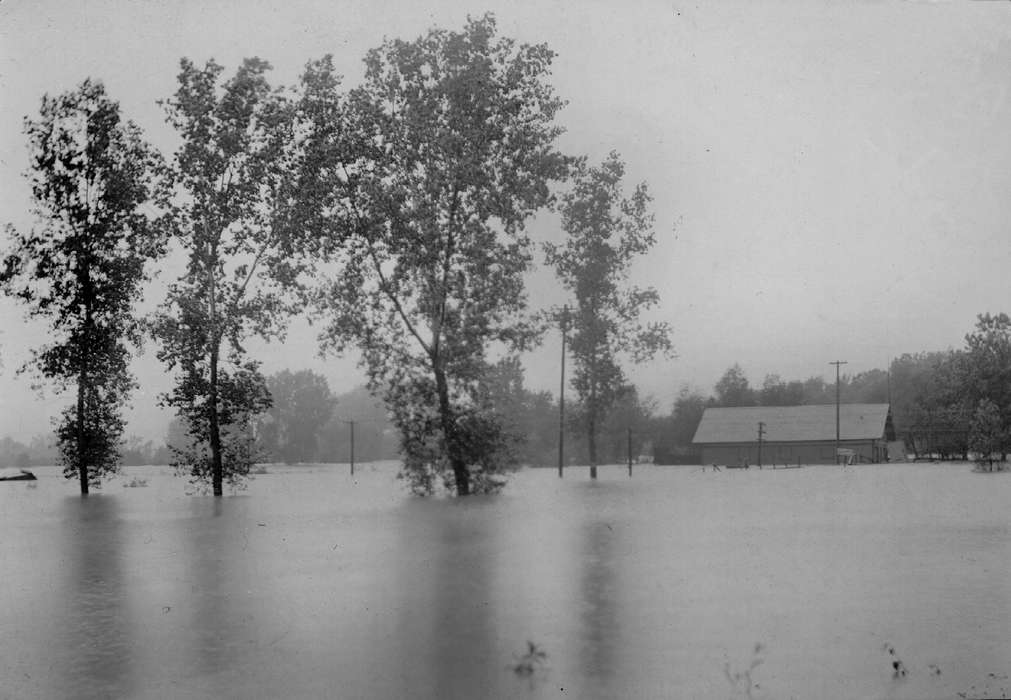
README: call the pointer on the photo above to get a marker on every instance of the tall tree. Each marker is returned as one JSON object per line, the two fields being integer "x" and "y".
{"x": 986, "y": 370}
{"x": 230, "y": 172}
{"x": 422, "y": 179}
{"x": 605, "y": 232}
{"x": 93, "y": 181}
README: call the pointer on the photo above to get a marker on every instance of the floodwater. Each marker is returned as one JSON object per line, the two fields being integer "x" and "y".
{"x": 677, "y": 583}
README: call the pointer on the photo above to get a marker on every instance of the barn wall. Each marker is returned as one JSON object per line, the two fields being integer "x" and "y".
{"x": 789, "y": 452}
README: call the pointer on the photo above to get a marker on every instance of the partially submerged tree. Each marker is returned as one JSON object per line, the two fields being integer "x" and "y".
{"x": 605, "y": 233}
{"x": 93, "y": 179}
{"x": 988, "y": 435}
{"x": 231, "y": 175}
{"x": 422, "y": 181}
{"x": 976, "y": 386}
{"x": 985, "y": 372}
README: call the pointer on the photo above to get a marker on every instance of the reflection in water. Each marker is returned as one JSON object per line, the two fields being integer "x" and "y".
{"x": 94, "y": 639}
{"x": 150, "y": 594}
{"x": 217, "y": 576}
{"x": 450, "y": 613}
{"x": 599, "y": 625}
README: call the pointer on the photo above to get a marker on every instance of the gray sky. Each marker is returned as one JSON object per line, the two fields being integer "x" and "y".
{"x": 831, "y": 180}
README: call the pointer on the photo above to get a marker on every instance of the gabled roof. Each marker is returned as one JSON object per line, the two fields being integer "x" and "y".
{"x": 857, "y": 421}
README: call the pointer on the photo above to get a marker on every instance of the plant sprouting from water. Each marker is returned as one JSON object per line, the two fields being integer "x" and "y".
{"x": 898, "y": 668}
{"x": 742, "y": 681}
{"x": 531, "y": 662}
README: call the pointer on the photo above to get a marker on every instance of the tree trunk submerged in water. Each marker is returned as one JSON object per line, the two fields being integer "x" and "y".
{"x": 82, "y": 452}
{"x": 217, "y": 470}
{"x": 461, "y": 474}
{"x": 591, "y": 424}
{"x": 82, "y": 389}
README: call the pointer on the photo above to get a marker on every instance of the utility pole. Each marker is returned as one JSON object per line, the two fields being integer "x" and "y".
{"x": 629, "y": 453}
{"x": 564, "y": 321}
{"x": 837, "y": 364}
{"x": 761, "y": 432}
{"x": 888, "y": 377}
{"x": 351, "y": 423}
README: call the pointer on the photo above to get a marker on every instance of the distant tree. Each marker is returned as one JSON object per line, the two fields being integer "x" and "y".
{"x": 11, "y": 449}
{"x": 539, "y": 428}
{"x": 986, "y": 371}
{"x": 917, "y": 389}
{"x": 733, "y": 388}
{"x": 375, "y": 434}
{"x": 687, "y": 414}
{"x": 137, "y": 451}
{"x": 928, "y": 406}
{"x": 675, "y": 431}
{"x": 817, "y": 391}
{"x": 605, "y": 232}
{"x": 44, "y": 449}
{"x": 630, "y": 416}
{"x": 988, "y": 436}
{"x": 301, "y": 406}
{"x": 177, "y": 439}
{"x": 507, "y": 397}
{"x": 776, "y": 392}
{"x": 419, "y": 184}
{"x": 866, "y": 387}
{"x": 93, "y": 180}
{"x": 232, "y": 175}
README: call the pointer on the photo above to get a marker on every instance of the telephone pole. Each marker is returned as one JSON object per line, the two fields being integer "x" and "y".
{"x": 888, "y": 376}
{"x": 561, "y": 394}
{"x": 837, "y": 363}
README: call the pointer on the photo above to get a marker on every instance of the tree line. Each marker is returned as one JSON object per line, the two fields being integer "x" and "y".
{"x": 931, "y": 394}
{"x": 393, "y": 213}
{"x": 952, "y": 404}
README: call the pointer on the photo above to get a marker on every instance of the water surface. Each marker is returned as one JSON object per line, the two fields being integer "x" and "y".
{"x": 314, "y": 584}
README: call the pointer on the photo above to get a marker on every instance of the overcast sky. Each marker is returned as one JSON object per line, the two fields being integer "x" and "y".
{"x": 831, "y": 180}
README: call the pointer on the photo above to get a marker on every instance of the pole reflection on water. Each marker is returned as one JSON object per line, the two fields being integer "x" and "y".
{"x": 599, "y": 616}
{"x": 213, "y": 584}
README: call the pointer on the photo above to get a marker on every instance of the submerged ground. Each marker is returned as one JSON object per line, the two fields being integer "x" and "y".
{"x": 678, "y": 583}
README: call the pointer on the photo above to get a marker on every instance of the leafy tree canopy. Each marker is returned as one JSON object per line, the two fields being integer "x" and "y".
{"x": 605, "y": 232}
{"x": 231, "y": 172}
{"x": 418, "y": 183}
{"x": 95, "y": 183}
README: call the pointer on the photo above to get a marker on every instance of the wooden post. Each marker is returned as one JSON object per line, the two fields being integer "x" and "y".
{"x": 629, "y": 453}
{"x": 564, "y": 321}
{"x": 351, "y": 423}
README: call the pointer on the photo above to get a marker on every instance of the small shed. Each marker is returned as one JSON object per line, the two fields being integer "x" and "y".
{"x": 794, "y": 434}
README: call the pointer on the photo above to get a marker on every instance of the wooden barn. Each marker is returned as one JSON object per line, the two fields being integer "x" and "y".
{"x": 794, "y": 434}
